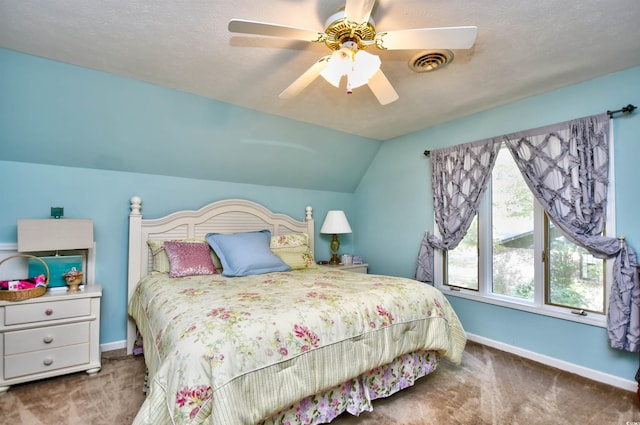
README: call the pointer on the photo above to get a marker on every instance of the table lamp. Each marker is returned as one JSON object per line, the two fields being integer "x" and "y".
{"x": 335, "y": 223}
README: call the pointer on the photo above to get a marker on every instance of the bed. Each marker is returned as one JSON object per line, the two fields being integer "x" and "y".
{"x": 297, "y": 344}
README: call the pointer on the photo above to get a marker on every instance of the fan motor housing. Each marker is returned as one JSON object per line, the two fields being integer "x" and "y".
{"x": 338, "y": 30}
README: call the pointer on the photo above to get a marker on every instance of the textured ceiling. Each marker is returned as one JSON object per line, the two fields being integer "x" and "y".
{"x": 523, "y": 48}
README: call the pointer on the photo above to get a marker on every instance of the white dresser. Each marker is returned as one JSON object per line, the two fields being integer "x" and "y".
{"x": 55, "y": 334}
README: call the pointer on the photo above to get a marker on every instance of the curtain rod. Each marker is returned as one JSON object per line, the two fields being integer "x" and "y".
{"x": 624, "y": 110}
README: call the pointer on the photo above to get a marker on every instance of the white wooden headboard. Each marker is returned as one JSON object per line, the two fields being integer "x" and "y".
{"x": 227, "y": 216}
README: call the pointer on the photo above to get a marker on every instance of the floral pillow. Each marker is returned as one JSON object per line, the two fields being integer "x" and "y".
{"x": 189, "y": 259}
{"x": 161, "y": 262}
{"x": 294, "y": 250}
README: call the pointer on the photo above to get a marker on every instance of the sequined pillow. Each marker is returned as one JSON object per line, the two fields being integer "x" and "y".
{"x": 189, "y": 259}
{"x": 160, "y": 261}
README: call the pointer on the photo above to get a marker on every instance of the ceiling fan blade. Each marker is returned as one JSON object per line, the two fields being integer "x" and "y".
{"x": 428, "y": 38}
{"x": 274, "y": 30}
{"x": 305, "y": 79}
{"x": 358, "y": 11}
{"x": 382, "y": 88}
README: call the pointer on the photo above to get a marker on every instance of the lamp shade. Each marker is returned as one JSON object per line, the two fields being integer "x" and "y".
{"x": 365, "y": 65}
{"x": 357, "y": 65}
{"x": 341, "y": 63}
{"x": 54, "y": 234}
{"x": 335, "y": 223}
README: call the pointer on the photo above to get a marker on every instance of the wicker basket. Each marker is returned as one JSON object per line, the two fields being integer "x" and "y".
{"x": 25, "y": 294}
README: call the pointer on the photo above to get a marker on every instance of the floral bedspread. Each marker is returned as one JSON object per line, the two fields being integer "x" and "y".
{"x": 240, "y": 350}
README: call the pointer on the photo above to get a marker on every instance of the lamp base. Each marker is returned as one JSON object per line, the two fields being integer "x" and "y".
{"x": 334, "y": 246}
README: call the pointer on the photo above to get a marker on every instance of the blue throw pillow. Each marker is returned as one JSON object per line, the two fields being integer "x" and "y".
{"x": 244, "y": 254}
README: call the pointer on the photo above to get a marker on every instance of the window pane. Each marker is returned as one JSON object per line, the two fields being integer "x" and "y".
{"x": 513, "y": 220}
{"x": 575, "y": 276}
{"x": 462, "y": 262}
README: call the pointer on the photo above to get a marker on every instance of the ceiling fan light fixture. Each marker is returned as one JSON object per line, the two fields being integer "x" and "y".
{"x": 340, "y": 64}
{"x": 365, "y": 65}
{"x": 357, "y": 65}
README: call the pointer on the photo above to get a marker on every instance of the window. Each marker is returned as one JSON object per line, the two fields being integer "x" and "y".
{"x": 462, "y": 265}
{"x": 512, "y": 218}
{"x": 521, "y": 258}
{"x": 575, "y": 279}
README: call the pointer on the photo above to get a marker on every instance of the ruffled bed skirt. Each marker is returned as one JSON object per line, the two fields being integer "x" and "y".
{"x": 356, "y": 395}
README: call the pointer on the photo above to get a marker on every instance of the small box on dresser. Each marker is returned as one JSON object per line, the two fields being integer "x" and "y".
{"x": 54, "y": 334}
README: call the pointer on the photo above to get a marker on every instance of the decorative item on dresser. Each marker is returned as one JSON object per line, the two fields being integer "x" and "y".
{"x": 335, "y": 223}
{"x": 18, "y": 289}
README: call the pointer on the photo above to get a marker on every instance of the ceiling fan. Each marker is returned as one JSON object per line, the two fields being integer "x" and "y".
{"x": 348, "y": 33}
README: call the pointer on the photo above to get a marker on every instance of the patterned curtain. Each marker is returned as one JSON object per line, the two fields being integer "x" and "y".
{"x": 566, "y": 167}
{"x": 460, "y": 177}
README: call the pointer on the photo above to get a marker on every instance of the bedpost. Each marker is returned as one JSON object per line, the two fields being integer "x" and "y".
{"x": 308, "y": 218}
{"x": 135, "y": 239}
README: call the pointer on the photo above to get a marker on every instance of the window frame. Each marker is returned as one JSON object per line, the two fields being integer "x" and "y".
{"x": 547, "y": 277}
{"x": 538, "y": 305}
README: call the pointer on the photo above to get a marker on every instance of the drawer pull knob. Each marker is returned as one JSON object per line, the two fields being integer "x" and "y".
{"x": 48, "y": 311}
{"x": 48, "y": 361}
{"x": 48, "y": 339}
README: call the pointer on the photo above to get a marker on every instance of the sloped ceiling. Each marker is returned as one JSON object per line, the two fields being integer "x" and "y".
{"x": 523, "y": 48}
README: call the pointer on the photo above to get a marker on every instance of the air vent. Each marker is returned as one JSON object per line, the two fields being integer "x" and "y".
{"x": 430, "y": 60}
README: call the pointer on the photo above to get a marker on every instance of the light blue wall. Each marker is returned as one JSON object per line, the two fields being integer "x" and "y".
{"x": 394, "y": 207}
{"x": 59, "y": 114}
{"x": 88, "y": 141}
{"x": 29, "y": 190}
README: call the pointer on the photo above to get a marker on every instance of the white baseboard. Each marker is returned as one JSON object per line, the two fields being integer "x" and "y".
{"x": 117, "y": 345}
{"x": 585, "y": 372}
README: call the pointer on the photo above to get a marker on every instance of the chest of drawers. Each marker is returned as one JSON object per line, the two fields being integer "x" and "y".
{"x": 55, "y": 334}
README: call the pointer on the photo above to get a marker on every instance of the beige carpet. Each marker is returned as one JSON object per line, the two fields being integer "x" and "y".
{"x": 489, "y": 387}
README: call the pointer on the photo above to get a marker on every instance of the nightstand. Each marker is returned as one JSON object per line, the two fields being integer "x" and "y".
{"x": 54, "y": 334}
{"x": 355, "y": 268}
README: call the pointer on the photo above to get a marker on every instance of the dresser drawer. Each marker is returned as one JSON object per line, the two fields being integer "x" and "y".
{"x": 358, "y": 269}
{"x": 45, "y": 360}
{"x": 42, "y": 311}
{"x": 45, "y": 338}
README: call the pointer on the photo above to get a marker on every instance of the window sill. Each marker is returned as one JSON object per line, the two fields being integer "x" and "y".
{"x": 593, "y": 319}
